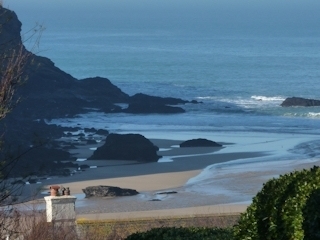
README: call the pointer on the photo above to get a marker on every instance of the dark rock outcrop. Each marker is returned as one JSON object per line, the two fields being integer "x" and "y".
{"x": 200, "y": 142}
{"x": 51, "y": 93}
{"x": 300, "y": 102}
{"x": 167, "y": 192}
{"x": 49, "y": 154}
{"x": 41, "y": 161}
{"x": 142, "y": 103}
{"x": 10, "y": 30}
{"x": 91, "y": 141}
{"x": 108, "y": 191}
{"x": 48, "y": 92}
{"x": 149, "y": 107}
{"x": 142, "y": 98}
{"x": 102, "y": 132}
{"x": 133, "y": 147}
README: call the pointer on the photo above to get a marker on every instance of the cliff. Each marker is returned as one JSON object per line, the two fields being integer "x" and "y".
{"x": 48, "y": 92}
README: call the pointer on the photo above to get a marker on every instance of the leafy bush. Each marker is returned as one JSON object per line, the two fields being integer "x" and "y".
{"x": 285, "y": 208}
{"x": 311, "y": 213}
{"x": 172, "y": 233}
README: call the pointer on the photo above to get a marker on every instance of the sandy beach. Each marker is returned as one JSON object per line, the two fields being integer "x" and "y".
{"x": 206, "y": 180}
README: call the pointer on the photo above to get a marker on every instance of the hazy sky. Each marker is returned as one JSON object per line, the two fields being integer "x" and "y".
{"x": 303, "y": 13}
{"x": 250, "y": 7}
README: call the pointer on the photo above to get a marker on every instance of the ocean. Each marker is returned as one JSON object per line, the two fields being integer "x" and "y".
{"x": 241, "y": 63}
{"x": 240, "y": 76}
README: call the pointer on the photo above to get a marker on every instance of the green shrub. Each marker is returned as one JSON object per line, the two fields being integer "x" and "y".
{"x": 172, "y": 233}
{"x": 285, "y": 208}
{"x": 311, "y": 213}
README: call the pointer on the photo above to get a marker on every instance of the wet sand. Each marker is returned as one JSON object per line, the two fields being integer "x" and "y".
{"x": 230, "y": 192}
{"x": 172, "y": 172}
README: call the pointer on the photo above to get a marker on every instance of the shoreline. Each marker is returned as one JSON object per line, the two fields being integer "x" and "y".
{"x": 185, "y": 164}
{"x": 203, "y": 178}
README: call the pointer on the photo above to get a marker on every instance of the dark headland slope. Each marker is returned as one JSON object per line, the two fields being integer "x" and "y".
{"x": 47, "y": 92}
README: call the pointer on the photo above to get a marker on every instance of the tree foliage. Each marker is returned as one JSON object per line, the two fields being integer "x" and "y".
{"x": 285, "y": 208}
{"x": 172, "y": 233}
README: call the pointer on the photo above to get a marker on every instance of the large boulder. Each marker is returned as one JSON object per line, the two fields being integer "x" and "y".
{"x": 200, "y": 142}
{"x": 133, "y": 147}
{"x": 301, "y": 102}
{"x": 108, "y": 191}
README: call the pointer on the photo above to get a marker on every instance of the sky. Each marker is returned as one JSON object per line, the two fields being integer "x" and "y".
{"x": 223, "y": 13}
{"x": 244, "y": 8}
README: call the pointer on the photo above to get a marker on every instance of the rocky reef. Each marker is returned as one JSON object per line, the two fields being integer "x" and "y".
{"x": 300, "y": 102}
